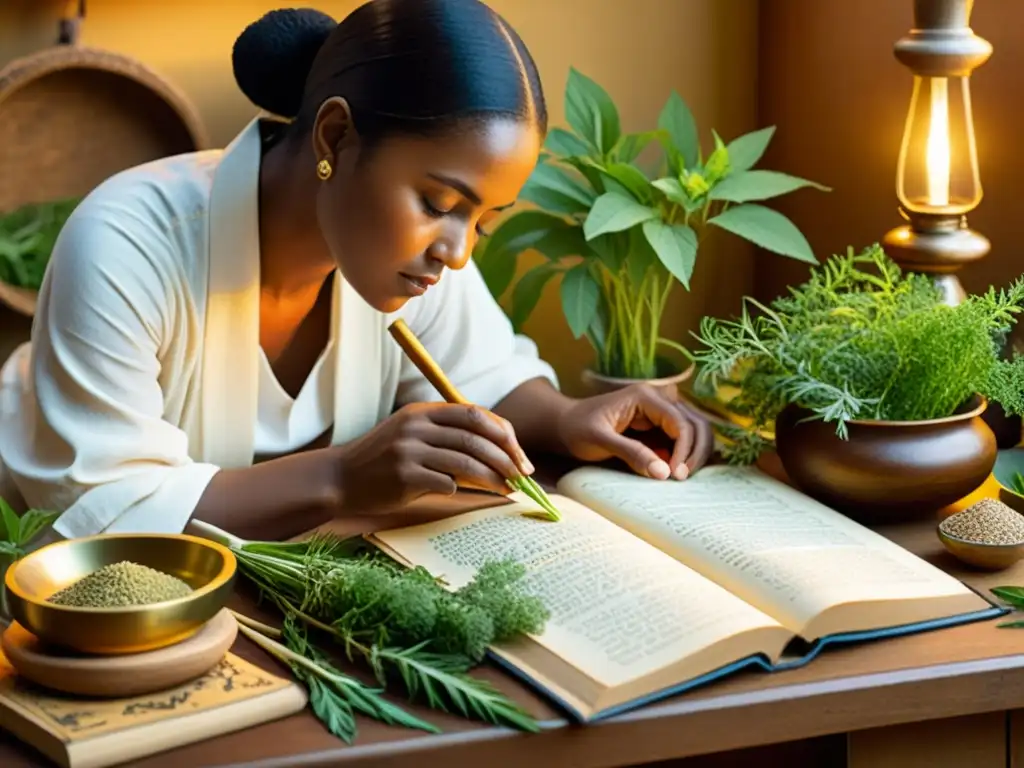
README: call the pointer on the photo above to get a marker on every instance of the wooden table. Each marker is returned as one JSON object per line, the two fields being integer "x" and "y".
{"x": 949, "y": 698}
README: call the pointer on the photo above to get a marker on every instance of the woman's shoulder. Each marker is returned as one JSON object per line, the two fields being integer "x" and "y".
{"x": 150, "y": 217}
{"x": 162, "y": 194}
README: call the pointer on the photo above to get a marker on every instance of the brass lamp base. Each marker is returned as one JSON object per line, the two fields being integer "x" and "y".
{"x": 937, "y": 245}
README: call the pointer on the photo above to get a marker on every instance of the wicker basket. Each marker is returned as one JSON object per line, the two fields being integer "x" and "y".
{"x": 70, "y": 117}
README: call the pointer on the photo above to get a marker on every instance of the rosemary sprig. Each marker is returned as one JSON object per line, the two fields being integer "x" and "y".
{"x": 528, "y": 486}
{"x": 333, "y": 696}
{"x": 444, "y": 684}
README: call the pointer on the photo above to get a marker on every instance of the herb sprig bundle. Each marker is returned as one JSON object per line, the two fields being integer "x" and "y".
{"x": 402, "y": 623}
{"x": 861, "y": 340}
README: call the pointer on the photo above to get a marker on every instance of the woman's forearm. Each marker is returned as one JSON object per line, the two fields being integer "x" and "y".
{"x": 534, "y": 409}
{"x": 277, "y": 499}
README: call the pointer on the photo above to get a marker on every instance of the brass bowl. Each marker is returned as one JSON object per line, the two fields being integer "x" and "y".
{"x": 208, "y": 567}
{"x": 988, "y": 557}
{"x": 887, "y": 470}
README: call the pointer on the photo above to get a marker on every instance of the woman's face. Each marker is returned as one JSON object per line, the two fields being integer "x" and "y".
{"x": 396, "y": 218}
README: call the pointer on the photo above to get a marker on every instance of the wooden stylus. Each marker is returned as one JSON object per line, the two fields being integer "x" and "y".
{"x": 432, "y": 372}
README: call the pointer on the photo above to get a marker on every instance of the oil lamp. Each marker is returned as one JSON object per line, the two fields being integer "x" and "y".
{"x": 937, "y": 180}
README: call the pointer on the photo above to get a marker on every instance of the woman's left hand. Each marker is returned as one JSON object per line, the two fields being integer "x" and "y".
{"x": 592, "y": 430}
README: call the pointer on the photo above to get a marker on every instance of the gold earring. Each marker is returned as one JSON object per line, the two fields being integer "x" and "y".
{"x": 324, "y": 170}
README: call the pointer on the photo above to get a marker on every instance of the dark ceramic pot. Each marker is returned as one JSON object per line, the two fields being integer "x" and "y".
{"x": 887, "y": 470}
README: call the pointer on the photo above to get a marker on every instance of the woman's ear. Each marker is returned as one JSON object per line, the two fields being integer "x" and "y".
{"x": 333, "y": 130}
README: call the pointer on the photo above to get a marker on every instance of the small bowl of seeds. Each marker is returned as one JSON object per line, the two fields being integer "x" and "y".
{"x": 988, "y": 535}
{"x": 120, "y": 593}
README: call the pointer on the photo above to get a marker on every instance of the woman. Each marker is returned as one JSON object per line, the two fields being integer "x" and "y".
{"x": 211, "y": 339}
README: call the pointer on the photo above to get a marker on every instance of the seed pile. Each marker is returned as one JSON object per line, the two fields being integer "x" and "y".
{"x": 987, "y": 522}
{"x": 121, "y": 584}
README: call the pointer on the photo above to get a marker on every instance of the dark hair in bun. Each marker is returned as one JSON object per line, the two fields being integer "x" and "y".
{"x": 402, "y": 65}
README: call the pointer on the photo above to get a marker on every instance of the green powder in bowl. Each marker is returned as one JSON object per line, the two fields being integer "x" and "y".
{"x": 120, "y": 585}
{"x": 987, "y": 522}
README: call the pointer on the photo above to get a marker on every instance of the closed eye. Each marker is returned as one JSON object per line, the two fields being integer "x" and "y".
{"x": 434, "y": 212}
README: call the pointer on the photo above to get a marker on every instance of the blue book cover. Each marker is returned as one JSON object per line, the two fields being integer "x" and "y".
{"x": 797, "y": 656}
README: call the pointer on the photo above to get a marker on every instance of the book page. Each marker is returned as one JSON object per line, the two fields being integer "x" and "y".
{"x": 620, "y": 608}
{"x": 766, "y": 542}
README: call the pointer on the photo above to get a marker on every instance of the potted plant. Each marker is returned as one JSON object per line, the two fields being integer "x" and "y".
{"x": 620, "y": 239}
{"x": 874, "y": 387}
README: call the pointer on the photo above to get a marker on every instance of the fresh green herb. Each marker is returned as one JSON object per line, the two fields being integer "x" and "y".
{"x": 334, "y": 696}
{"x": 530, "y": 487}
{"x": 396, "y": 620}
{"x": 27, "y": 237}
{"x": 17, "y": 533}
{"x": 1017, "y": 483}
{"x": 621, "y": 237}
{"x": 862, "y": 340}
{"x": 1015, "y": 597}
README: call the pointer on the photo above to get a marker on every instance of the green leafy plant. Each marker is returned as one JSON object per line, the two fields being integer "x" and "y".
{"x": 19, "y": 532}
{"x": 403, "y": 624}
{"x": 619, "y": 238}
{"x": 860, "y": 340}
{"x": 27, "y": 237}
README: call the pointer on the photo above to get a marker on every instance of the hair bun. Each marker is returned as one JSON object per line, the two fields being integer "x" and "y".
{"x": 273, "y": 56}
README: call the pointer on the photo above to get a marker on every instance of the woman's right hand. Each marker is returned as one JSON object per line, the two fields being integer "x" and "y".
{"x": 427, "y": 448}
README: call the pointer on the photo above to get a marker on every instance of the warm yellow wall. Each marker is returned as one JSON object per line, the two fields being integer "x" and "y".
{"x": 638, "y": 49}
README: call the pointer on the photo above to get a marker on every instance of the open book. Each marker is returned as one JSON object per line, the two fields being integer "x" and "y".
{"x": 656, "y": 587}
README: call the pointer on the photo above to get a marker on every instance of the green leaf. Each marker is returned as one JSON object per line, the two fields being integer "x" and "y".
{"x": 445, "y": 688}
{"x": 677, "y": 121}
{"x": 498, "y": 269}
{"x": 553, "y": 188}
{"x": 591, "y": 112}
{"x": 745, "y": 186}
{"x": 613, "y": 212}
{"x": 611, "y": 249}
{"x": 640, "y": 257}
{"x": 745, "y": 151}
{"x": 528, "y": 291}
{"x": 580, "y": 294}
{"x": 32, "y": 523}
{"x": 1012, "y": 595}
{"x": 630, "y": 145}
{"x": 590, "y": 170}
{"x": 11, "y": 523}
{"x": 1019, "y": 624}
{"x": 766, "y": 228}
{"x": 718, "y": 164}
{"x": 676, "y": 247}
{"x": 673, "y": 190}
{"x": 562, "y": 142}
{"x": 11, "y": 550}
{"x": 496, "y": 258}
{"x": 632, "y": 179}
{"x": 561, "y": 242}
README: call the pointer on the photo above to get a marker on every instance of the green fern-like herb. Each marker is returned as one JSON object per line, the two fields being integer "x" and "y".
{"x": 862, "y": 340}
{"x": 401, "y": 622}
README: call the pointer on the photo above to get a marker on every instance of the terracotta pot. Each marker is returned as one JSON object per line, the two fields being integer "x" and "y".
{"x": 598, "y": 383}
{"x": 887, "y": 470}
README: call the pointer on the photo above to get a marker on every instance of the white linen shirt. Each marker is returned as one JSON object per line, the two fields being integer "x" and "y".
{"x": 144, "y": 376}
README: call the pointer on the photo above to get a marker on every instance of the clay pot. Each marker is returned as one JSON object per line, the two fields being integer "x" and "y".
{"x": 887, "y": 470}
{"x": 598, "y": 383}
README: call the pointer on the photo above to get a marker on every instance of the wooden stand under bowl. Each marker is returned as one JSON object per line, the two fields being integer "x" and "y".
{"x": 134, "y": 674}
